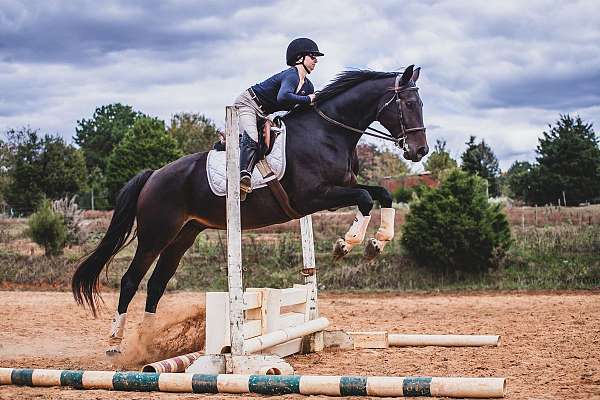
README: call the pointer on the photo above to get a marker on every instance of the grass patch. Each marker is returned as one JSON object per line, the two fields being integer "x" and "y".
{"x": 548, "y": 257}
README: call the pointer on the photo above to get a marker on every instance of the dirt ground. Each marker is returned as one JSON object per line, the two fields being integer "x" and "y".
{"x": 550, "y": 341}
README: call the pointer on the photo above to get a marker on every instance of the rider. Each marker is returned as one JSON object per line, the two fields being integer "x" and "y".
{"x": 281, "y": 92}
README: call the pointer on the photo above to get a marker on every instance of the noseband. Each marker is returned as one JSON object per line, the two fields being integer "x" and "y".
{"x": 400, "y": 141}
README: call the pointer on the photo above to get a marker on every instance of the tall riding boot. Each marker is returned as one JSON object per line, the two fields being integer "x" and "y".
{"x": 248, "y": 158}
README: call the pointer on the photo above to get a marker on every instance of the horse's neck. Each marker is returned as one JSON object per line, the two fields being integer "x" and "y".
{"x": 356, "y": 107}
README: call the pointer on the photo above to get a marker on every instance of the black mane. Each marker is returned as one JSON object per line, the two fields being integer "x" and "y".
{"x": 347, "y": 79}
{"x": 342, "y": 82}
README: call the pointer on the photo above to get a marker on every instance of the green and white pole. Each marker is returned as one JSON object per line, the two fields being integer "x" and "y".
{"x": 260, "y": 384}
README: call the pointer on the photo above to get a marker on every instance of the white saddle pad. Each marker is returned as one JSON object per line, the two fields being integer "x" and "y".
{"x": 215, "y": 166}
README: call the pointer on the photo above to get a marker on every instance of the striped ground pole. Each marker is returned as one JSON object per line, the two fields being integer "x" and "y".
{"x": 261, "y": 384}
{"x": 174, "y": 364}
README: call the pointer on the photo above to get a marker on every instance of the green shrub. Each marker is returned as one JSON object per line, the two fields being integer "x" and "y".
{"x": 403, "y": 195}
{"x": 47, "y": 228}
{"x": 455, "y": 228}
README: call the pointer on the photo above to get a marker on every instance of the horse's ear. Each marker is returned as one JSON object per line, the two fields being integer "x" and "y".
{"x": 415, "y": 74}
{"x": 408, "y": 73}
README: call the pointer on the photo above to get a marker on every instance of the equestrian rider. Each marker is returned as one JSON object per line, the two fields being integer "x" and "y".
{"x": 281, "y": 92}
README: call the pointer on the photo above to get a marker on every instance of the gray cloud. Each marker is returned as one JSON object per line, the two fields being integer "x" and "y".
{"x": 575, "y": 89}
{"x": 82, "y": 32}
{"x": 501, "y": 71}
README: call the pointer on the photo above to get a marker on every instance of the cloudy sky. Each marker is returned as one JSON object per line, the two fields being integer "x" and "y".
{"x": 499, "y": 70}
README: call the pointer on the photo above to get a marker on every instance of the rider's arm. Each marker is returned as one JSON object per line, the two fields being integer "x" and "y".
{"x": 287, "y": 92}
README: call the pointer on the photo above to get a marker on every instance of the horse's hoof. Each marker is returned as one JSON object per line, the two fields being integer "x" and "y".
{"x": 113, "y": 352}
{"x": 340, "y": 249}
{"x": 372, "y": 249}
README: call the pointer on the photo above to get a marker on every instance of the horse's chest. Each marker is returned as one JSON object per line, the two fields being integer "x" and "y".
{"x": 337, "y": 167}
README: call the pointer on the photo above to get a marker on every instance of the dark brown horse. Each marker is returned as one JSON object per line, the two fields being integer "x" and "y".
{"x": 174, "y": 204}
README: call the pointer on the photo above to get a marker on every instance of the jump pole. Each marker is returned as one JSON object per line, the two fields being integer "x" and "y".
{"x": 400, "y": 340}
{"x": 260, "y": 384}
{"x": 384, "y": 340}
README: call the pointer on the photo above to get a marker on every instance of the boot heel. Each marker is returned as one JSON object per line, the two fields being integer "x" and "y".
{"x": 245, "y": 186}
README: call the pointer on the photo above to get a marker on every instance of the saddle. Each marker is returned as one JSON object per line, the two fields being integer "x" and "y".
{"x": 270, "y": 129}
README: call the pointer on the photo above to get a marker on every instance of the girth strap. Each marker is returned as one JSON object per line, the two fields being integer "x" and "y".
{"x": 277, "y": 190}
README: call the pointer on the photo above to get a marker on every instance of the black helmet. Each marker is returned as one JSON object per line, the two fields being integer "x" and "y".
{"x": 299, "y": 47}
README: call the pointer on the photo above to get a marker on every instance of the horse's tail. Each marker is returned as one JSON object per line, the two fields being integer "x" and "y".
{"x": 85, "y": 282}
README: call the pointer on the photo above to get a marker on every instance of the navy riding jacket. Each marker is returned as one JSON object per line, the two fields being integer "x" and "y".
{"x": 278, "y": 93}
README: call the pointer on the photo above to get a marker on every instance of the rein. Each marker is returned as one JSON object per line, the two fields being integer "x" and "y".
{"x": 386, "y": 136}
{"x": 400, "y": 141}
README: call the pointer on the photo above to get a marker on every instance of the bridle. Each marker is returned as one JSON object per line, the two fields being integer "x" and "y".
{"x": 398, "y": 141}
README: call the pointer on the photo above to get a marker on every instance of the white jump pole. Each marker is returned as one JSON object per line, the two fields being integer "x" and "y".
{"x": 234, "y": 233}
{"x": 443, "y": 340}
{"x": 271, "y": 339}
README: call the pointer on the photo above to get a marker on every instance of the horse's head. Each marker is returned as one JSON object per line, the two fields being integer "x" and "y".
{"x": 402, "y": 115}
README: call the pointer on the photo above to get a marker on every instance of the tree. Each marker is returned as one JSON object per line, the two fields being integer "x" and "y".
{"x": 455, "y": 228}
{"x": 375, "y": 164}
{"x": 63, "y": 167}
{"x": 24, "y": 190}
{"x": 193, "y": 132}
{"x": 98, "y": 136}
{"x": 518, "y": 180}
{"x": 439, "y": 160}
{"x": 569, "y": 162}
{"x": 479, "y": 159}
{"x": 42, "y": 167}
{"x": 145, "y": 145}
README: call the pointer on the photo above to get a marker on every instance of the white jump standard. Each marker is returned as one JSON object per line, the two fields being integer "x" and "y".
{"x": 237, "y": 320}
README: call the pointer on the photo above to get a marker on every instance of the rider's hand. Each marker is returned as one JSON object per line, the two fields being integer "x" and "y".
{"x": 312, "y": 98}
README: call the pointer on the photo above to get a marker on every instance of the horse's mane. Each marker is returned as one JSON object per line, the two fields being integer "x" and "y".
{"x": 348, "y": 79}
{"x": 344, "y": 81}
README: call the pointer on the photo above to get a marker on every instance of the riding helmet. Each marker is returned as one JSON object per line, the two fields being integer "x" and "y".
{"x": 299, "y": 47}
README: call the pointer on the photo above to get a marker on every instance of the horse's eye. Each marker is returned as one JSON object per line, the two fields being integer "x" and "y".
{"x": 410, "y": 104}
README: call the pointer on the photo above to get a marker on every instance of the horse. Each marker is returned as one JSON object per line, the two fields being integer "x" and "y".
{"x": 173, "y": 204}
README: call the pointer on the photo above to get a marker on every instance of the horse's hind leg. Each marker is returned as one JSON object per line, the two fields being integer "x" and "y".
{"x": 150, "y": 245}
{"x": 168, "y": 263}
{"x": 143, "y": 258}
{"x": 165, "y": 269}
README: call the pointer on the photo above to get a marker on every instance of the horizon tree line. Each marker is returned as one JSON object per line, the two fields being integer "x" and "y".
{"x": 117, "y": 142}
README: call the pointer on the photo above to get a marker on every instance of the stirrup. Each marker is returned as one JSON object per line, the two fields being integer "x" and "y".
{"x": 245, "y": 184}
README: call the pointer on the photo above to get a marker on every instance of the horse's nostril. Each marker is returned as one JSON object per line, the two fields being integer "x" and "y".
{"x": 422, "y": 151}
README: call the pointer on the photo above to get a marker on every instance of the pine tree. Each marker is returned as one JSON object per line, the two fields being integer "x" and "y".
{"x": 518, "y": 180}
{"x": 479, "y": 159}
{"x": 455, "y": 228}
{"x": 439, "y": 160}
{"x": 146, "y": 145}
{"x": 569, "y": 162}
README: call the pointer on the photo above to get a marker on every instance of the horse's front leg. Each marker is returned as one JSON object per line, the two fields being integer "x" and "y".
{"x": 338, "y": 197}
{"x": 385, "y": 233}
